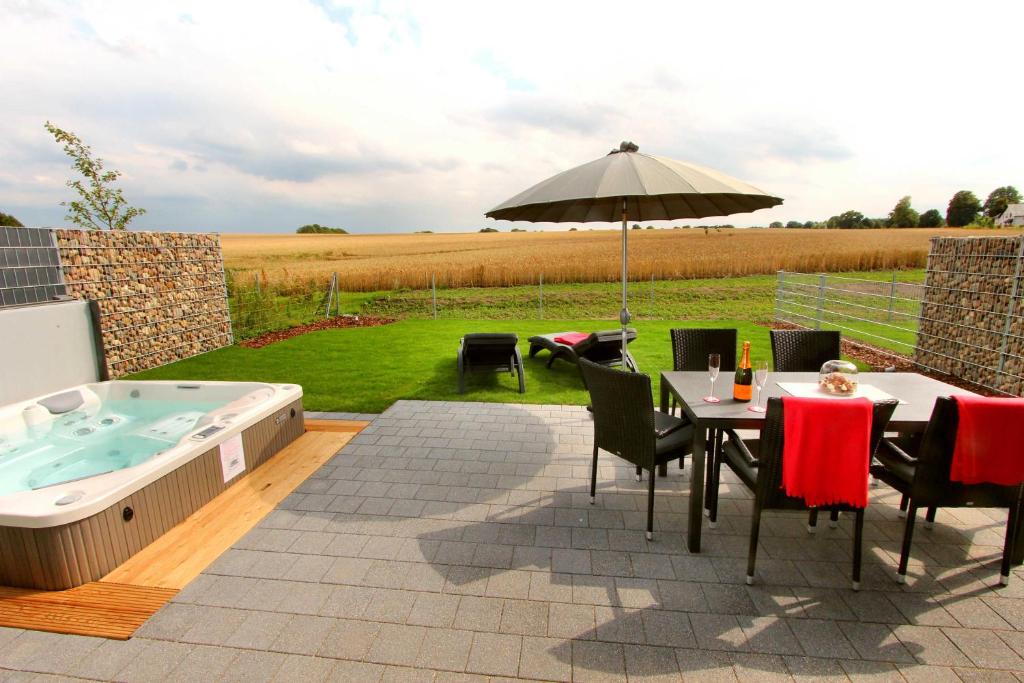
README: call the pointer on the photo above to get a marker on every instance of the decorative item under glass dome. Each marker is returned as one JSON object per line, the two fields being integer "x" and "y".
{"x": 838, "y": 377}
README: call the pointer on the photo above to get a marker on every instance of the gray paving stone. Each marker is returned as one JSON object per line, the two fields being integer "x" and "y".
{"x": 111, "y": 657}
{"x": 258, "y": 631}
{"x": 254, "y": 665}
{"x": 302, "y": 668}
{"x": 525, "y": 618}
{"x": 494, "y": 654}
{"x": 397, "y": 644}
{"x": 203, "y": 663}
{"x": 349, "y": 639}
{"x": 593, "y": 661}
{"x": 154, "y": 661}
{"x": 446, "y": 649}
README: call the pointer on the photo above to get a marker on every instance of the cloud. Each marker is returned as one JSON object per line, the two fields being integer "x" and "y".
{"x": 397, "y": 115}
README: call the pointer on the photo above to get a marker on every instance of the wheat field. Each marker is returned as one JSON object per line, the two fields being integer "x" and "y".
{"x": 389, "y": 262}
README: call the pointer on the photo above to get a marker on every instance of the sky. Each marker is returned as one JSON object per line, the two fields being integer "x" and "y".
{"x": 400, "y": 116}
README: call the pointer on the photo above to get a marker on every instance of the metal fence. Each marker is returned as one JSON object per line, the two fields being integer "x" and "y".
{"x": 882, "y": 314}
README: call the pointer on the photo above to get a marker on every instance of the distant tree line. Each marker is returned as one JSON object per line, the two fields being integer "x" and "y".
{"x": 317, "y": 229}
{"x": 964, "y": 210}
{"x": 9, "y": 221}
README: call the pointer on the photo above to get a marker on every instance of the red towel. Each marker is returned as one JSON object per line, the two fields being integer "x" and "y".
{"x": 571, "y": 338}
{"x": 826, "y": 455}
{"x": 989, "y": 445}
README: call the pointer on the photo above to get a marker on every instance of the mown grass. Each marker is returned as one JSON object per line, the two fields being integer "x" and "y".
{"x": 368, "y": 369}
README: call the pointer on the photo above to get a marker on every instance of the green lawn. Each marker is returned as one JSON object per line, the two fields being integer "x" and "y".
{"x": 368, "y": 369}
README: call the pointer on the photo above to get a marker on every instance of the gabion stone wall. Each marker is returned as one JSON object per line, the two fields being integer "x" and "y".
{"x": 972, "y": 312}
{"x": 162, "y": 295}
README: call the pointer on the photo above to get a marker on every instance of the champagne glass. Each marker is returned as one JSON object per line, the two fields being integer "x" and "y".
{"x": 714, "y": 365}
{"x": 760, "y": 378}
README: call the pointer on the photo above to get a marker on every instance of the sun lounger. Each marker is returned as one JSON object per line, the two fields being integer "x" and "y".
{"x": 493, "y": 352}
{"x": 603, "y": 348}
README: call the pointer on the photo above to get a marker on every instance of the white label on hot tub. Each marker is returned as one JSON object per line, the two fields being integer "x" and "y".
{"x": 232, "y": 458}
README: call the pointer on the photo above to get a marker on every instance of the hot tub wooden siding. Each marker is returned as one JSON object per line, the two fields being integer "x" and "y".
{"x": 69, "y": 555}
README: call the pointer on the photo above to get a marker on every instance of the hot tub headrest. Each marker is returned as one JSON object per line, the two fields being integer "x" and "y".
{"x": 65, "y": 402}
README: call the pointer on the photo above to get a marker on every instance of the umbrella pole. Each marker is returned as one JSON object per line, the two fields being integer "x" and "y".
{"x": 624, "y": 313}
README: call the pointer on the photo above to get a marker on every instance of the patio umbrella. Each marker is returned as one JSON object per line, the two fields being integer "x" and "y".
{"x": 632, "y": 186}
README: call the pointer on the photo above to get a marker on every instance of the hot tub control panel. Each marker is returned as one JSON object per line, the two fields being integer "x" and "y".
{"x": 207, "y": 433}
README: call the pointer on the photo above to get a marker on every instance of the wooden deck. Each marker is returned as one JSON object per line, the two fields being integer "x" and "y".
{"x": 117, "y": 605}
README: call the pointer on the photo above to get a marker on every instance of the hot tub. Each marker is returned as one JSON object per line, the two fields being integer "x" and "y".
{"x": 91, "y": 475}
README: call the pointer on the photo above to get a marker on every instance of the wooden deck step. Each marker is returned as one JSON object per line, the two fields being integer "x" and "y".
{"x": 106, "y": 610}
{"x": 117, "y": 605}
{"x": 347, "y": 426}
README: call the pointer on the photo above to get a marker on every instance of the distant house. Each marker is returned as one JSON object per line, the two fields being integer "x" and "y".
{"x": 1014, "y": 215}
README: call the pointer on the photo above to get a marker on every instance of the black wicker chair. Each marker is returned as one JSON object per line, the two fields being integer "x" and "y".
{"x": 758, "y": 464}
{"x": 803, "y": 350}
{"x": 919, "y": 469}
{"x": 690, "y": 351}
{"x": 691, "y": 348}
{"x": 491, "y": 352}
{"x": 604, "y": 348}
{"x": 626, "y": 425}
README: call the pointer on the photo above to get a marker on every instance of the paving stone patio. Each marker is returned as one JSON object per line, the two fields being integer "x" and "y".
{"x": 455, "y": 542}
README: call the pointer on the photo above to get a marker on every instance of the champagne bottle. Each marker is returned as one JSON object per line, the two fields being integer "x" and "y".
{"x": 742, "y": 386}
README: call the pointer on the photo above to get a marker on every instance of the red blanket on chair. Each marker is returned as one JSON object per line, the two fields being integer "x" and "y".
{"x": 571, "y": 338}
{"x": 989, "y": 445}
{"x": 826, "y": 451}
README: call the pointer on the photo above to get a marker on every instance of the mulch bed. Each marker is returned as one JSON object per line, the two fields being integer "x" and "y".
{"x": 880, "y": 360}
{"x": 325, "y": 324}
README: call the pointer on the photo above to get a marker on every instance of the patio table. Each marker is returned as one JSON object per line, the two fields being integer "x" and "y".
{"x": 917, "y": 394}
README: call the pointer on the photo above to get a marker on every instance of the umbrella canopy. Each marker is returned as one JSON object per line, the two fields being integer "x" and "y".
{"x": 628, "y": 185}
{"x": 654, "y": 188}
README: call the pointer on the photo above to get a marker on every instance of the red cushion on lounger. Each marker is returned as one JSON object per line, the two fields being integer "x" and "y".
{"x": 989, "y": 441}
{"x": 571, "y": 338}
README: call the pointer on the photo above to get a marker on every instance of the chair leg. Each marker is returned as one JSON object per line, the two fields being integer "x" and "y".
{"x": 640, "y": 473}
{"x": 908, "y": 536}
{"x": 904, "y": 499}
{"x": 462, "y": 372}
{"x": 672, "y": 410}
{"x": 812, "y": 521}
{"x": 1012, "y": 529}
{"x": 858, "y": 542}
{"x": 593, "y": 477}
{"x": 929, "y": 518}
{"x": 833, "y": 519}
{"x": 755, "y": 529}
{"x": 521, "y": 372}
{"x": 650, "y": 505}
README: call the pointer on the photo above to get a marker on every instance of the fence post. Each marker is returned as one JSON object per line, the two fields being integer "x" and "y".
{"x": 652, "y": 295}
{"x": 256, "y": 276}
{"x": 337, "y": 298}
{"x": 892, "y": 296}
{"x": 1010, "y": 312}
{"x": 433, "y": 293}
{"x": 330, "y": 296}
{"x": 542, "y": 296}
{"x": 780, "y": 293}
{"x": 821, "y": 302}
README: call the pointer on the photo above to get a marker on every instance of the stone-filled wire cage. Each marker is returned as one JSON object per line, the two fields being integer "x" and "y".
{"x": 972, "y": 311}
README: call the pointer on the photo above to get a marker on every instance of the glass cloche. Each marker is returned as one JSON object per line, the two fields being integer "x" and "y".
{"x": 838, "y": 377}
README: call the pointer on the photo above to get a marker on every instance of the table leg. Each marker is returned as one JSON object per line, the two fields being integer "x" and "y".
{"x": 696, "y": 489}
